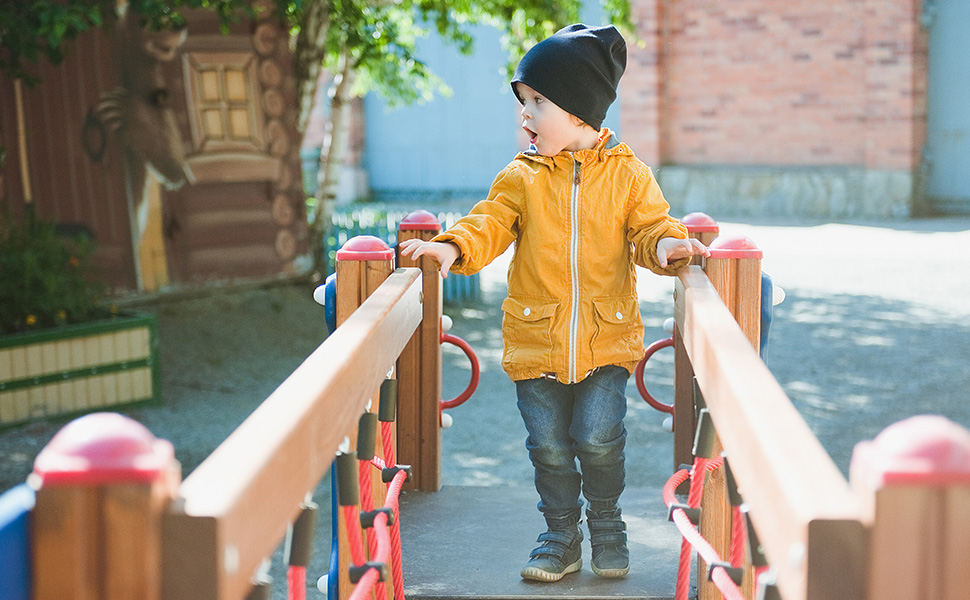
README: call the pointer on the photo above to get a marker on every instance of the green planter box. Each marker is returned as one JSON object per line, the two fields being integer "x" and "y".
{"x": 79, "y": 368}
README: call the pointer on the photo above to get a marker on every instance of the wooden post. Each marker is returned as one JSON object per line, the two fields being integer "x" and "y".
{"x": 913, "y": 481}
{"x": 703, "y": 228}
{"x": 363, "y": 263}
{"x": 734, "y": 269}
{"x": 419, "y": 370}
{"x": 102, "y": 483}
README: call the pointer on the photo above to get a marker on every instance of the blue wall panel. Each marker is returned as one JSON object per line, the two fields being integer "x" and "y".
{"x": 454, "y": 143}
{"x": 948, "y": 144}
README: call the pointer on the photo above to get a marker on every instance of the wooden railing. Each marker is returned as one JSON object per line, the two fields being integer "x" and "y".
{"x": 798, "y": 498}
{"x": 239, "y": 501}
{"x": 824, "y": 537}
{"x": 113, "y": 520}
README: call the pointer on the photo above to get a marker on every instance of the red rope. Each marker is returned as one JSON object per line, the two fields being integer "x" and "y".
{"x": 690, "y": 533}
{"x": 393, "y": 492}
{"x": 296, "y": 583}
{"x": 367, "y": 501}
{"x": 739, "y": 534}
{"x": 354, "y": 540}
{"x": 693, "y": 538}
{"x": 367, "y": 505}
{"x": 387, "y": 441}
{"x": 696, "y": 492}
{"x": 386, "y": 546}
{"x": 385, "y": 549}
{"x": 683, "y": 565}
{"x": 727, "y": 586}
{"x": 683, "y": 571}
{"x": 365, "y": 586}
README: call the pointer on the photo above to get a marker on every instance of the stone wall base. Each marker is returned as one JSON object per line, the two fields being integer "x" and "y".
{"x": 824, "y": 192}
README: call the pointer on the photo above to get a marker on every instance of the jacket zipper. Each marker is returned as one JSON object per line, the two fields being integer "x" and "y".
{"x": 574, "y": 264}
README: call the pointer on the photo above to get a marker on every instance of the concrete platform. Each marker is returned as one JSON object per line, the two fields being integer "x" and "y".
{"x": 471, "y": 542}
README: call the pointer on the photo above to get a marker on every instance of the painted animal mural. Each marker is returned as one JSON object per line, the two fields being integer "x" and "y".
{"x": 139, "y": 115}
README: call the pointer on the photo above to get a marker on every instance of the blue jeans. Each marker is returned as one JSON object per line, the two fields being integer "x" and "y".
{"x": 568, "y": 422}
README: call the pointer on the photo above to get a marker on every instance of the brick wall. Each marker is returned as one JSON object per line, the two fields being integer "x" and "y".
{"x": 795, "y": 83}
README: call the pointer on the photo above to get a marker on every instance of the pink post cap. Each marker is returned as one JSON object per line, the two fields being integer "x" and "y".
{"x": 419, "y": 220}
{"x": 734, "y": 246}
{"x": 698, "y": 222}
{"x": 365, "y": 247}
{"x": 103, "y": 448}
{"x": 926, "y": 450}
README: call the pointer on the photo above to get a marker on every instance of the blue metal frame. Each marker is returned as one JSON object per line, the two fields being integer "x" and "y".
{"x": 15, "y": 507}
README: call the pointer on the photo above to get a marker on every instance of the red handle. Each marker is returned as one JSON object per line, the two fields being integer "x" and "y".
{"x": 473, "y": 359}
{"x": 651, "y": 349}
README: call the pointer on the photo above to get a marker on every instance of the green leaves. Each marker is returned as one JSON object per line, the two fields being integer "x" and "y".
{"x": 381, "y": 40}
{"x": 46, "y": 276}
{"x": 30, "y": 31}
{"x": 34, "y": 30}
{"x": 380, "y": 35}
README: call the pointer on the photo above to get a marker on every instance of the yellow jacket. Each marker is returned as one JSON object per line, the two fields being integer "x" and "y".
{"x": 580, "y": 221}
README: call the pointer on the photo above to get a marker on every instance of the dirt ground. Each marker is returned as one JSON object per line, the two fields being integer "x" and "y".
{"x": 874, "y": 329}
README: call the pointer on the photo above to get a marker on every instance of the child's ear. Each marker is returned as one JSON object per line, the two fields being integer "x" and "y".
{"x": 579, "y": 122}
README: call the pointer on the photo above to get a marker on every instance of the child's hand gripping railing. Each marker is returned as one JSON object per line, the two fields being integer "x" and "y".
{"x": 420, "y": 442}
{"x": 705, "y": 229}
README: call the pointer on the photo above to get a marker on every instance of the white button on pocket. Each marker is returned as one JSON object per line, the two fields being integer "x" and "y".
{"x": 619, "y": 315}
{"x": 527, "y": 311}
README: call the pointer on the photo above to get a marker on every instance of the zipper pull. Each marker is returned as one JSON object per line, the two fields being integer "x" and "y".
{"x": 576, "y": 170}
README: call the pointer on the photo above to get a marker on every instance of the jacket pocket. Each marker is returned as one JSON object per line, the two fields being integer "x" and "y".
{"x": 618, "y": 331}
{"x": 527, "y": 331}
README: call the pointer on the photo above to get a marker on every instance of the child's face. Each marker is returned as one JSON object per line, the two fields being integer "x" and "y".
{"x": 551, "y": 129}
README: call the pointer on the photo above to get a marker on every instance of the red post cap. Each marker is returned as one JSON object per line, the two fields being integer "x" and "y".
{"x": 925, "y": 450}
{"x": 698, "y": 222}
{"x": 734, "y": 246}
{"x": 419, "y": 220}
{"x": 103, "y": 448}
{"x": 365, "y": 247}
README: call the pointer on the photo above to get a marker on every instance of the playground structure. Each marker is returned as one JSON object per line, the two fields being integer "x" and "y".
{"x": 121, "y": 525}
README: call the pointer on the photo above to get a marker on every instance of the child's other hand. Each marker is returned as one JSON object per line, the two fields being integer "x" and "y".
{"x": 670, "y": 248}
{"x": 444, "y": 253}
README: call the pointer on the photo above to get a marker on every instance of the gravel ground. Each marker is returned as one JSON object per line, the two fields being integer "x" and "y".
{"x": 874, "y": 329}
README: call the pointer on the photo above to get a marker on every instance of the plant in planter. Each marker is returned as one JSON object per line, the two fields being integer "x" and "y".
{"x": 62, "y": 350}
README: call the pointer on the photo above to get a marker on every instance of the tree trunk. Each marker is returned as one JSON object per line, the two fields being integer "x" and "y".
{"x": 308, "y": 56}
{"x": 332, "y": 158}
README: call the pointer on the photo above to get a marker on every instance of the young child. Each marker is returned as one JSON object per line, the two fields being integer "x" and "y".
{"x": 582, "y": 210}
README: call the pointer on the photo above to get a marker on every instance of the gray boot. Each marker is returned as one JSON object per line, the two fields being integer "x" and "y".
{"x": 611, "y": 557}
{"x": 559, "y": 552}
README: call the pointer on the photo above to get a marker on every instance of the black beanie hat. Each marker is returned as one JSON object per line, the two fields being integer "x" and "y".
{"x": 577, "y": 68}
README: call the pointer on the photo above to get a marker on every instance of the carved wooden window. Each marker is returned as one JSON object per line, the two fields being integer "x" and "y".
{"x": 223, "y": 101}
